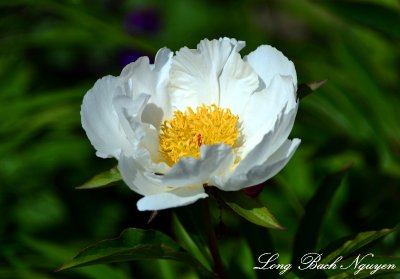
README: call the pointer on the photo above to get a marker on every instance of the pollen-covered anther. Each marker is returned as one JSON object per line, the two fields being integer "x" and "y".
{"x": 183, "y": 135}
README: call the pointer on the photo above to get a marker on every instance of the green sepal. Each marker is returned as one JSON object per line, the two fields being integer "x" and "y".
{"x": 305, "y": 89}
{"x": 102, "y": 179}
{"x": 249, "y": 208}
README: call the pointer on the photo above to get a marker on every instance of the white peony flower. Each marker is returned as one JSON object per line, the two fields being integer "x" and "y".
{"x": 204, "y": 117}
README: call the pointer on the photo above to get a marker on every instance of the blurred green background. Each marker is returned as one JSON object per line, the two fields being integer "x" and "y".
{"x": 52, "y": 52}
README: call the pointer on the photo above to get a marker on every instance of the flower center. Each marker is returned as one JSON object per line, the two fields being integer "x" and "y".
{"x": 183, "y": 135}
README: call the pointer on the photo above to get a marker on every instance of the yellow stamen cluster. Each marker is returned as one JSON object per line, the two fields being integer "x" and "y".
{"x": 183, "y": 135}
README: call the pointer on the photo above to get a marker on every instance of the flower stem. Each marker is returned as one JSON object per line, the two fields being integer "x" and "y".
{"x": 212, "y": 241}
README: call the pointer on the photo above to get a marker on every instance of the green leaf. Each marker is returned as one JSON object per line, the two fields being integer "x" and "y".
{"x": 306, "y": 89}
{"x": 135, "y": 244}
{"x": 375, "y": 16}
{"x": 94, "y": 24}
{"x": 250, "y": 209}
{"x": 360, "y": 267}
{"x": 54, "y": 254}
{"x": 103, "y": 179}
{"x": 309, "y": 227}
{"x": 188, "y": 240}
{"x": 345, "y": 247}
{"x": 353, "y": 244}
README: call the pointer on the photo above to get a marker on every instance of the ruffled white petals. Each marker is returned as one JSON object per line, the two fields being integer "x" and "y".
{"x": 151, "y": 143}
{"x": 139, "y": 134}
{"x": 263, "y": 110}
{"x": 142, "y": 77}
{"x": 147, "y": 102}
{"x": 268, "y": 62}
{"x": 260, "y": 173}
{"x": 269, "y": 143}
{"x": 129, "y": 111}
{"x": 194, "y": 73}
{"x": 134, "y": 175}
{"x": 174, "y": 198}
{"x": 122, "y": 117}
{"x": 100, "y": 119}
{"x": 237, "y": 82}
{"x": 144, "y": 157}
{"x": 275, "y": 163}
{"x": 237, "y": 45}
{"x": 214, "y": 160}
{"x": 159, "y": 106}
{"x": 138, "y": 77}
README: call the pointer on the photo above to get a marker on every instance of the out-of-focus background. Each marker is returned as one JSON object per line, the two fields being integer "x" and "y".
{"x": 52, "y": 52}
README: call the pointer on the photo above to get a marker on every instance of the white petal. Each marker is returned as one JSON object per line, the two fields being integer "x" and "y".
{"x": 159, "y": 107}
{"x": 268, "y": 62}
{"x": 237, "y": 82}
{"x": 151, "y": 142}
{"x": 100, "y": 119}
{"x": 129, "y": 110}
{"x": 275, "y": 163}
{"x": 194, "y": 73}
{"x": 134, "y": 175}
{"x": 142, "y": 77}
{"x": 237, "y": 45}
{"x": 138, "y": 77}
{"x": 214, "y": 160}
{"x": 255, "y": 153}
{"x": 177, "y": 197}
{"x": 285, "y": 151}
{"x": 140, "y": 134}
{"x": 144, "y": 157}
{"x": 260, "y": 173}
{"x": 263, "y": 109}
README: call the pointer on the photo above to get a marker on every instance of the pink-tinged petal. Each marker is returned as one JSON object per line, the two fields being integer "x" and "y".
{"x": 100, "y": 119}
{"x": 260, "y": 173}
{"x": 268, "y": 62}
{"x": 174, "y": 198}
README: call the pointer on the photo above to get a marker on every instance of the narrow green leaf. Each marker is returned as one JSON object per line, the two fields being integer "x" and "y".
{"x": 375, "y": 16}
{"x": 309, "y": 227}
{"x": 94, "y": 24}
{"x": 187, "y": 241}
{"x": 253, "y": 238}
{"x": 353, "y": 244}
{"x": 345, "y": 247}
{"x": 135, "y": 244}
{"x": 132, "y": 244}
{"x": 365, "y": 266}
{"x": 250, "y": 209}
{"x": 306, "y": 89}
{"x": 103, "y": 179}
